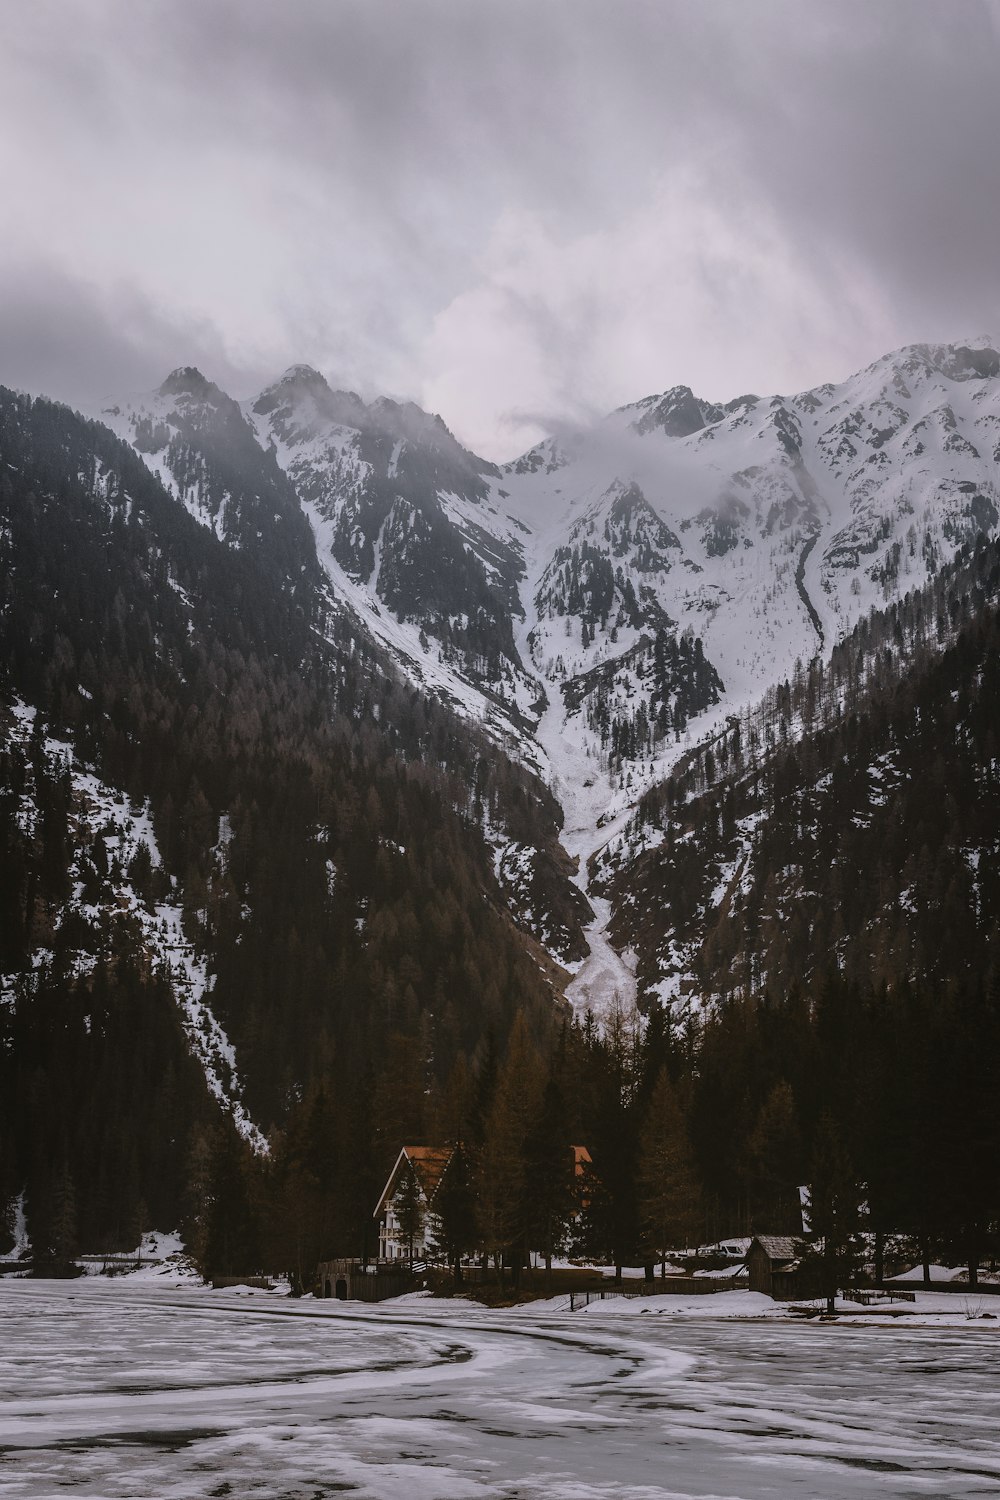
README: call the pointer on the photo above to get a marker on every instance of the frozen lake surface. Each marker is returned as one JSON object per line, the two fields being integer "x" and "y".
{"x": 117, "y": 1391}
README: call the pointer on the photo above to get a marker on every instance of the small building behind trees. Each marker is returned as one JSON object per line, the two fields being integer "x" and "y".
{"x": 773, "y": 1264}
{"x": 776, "y": 1267}
{"x": 408, "y": 1223}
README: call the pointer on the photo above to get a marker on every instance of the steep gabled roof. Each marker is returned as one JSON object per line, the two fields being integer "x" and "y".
{"x": 428, "y": 1163}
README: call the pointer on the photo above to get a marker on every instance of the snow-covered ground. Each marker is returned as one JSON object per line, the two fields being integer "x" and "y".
{"x": 126, "y": 1391}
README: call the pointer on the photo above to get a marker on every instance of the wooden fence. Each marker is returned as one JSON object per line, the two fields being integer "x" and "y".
{"x": 666, "y": 1286}
{"x": 980, "y": 1289}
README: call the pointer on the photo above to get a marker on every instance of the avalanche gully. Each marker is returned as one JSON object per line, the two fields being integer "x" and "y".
{"x": 614, "y": 595}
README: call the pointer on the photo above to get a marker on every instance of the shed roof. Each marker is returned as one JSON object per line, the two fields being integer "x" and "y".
{"x": 777, "y": 1247}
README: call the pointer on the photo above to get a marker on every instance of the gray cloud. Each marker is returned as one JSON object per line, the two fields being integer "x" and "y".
{"x": 497, "y": 206}
{"x": 74, "y": 342}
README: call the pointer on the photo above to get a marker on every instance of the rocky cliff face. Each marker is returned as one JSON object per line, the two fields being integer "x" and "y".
{"x": 604, "y": 601}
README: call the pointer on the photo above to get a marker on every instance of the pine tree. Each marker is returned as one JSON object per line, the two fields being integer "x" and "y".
{"x": 64, "y": 1223}
{"x": 834, "y": 1211}
{"x": 669, "y": 1191}
{"x": 455, "y": 1207}
{"x": 502, "y": 1201}
{"x": 409, "y": 1208}
{"x": 232, "y": 1237}
{"x": 774, "y": 1164}
{"x": 549, "y": 1177}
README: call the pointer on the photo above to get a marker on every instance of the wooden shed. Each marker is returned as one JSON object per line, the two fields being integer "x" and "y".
{"x": 779, "y": 1265}
{"x": 773, "y": 1264}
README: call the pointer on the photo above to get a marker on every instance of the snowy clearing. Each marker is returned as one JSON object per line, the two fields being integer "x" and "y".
{"x": 128, "y": 1391}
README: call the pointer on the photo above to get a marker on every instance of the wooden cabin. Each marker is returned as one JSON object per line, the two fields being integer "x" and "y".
{"x": 777, "y": 1266}
{"x": 428, "y": 1165}
{"x": 773, "y": 1264}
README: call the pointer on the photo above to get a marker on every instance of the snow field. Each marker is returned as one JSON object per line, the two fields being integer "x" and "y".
{"x": 118, "y": 1391}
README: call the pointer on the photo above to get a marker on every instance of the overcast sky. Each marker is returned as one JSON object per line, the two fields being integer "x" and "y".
{"x": 510, "y": 212}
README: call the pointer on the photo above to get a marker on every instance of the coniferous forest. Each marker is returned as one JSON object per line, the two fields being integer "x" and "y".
{"x": 346, "y": 907}
{"x": 213, "y": 782}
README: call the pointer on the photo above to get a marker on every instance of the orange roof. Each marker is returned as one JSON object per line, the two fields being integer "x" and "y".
{"x": 428, "y": 1163}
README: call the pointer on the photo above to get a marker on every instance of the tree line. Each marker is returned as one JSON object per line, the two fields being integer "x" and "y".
{"x": 880, "y": 1102}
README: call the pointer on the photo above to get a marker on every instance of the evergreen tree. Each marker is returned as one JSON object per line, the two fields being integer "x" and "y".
{"x": 409, "y": 1208}
{"x": 608, "y": 1225}
{"x": 502, "y": 1197}
{"x": 774, "y": 1165}
{"x": 549, "y": 1177}
{"x": 63, "y": 1243}
{"x": 834, "y": 1211}
{"x": 232, "y": 1231}
{"x": 455, "y": 1207}
{"x": 669, "y": 1192}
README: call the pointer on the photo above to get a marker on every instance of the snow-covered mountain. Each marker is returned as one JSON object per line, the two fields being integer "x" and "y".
{"x": 180, "y": 430}
{"x": 402, "y": 516}
{"x": 847, "y": 824}
{"x": 766, "y": 528}
{"x": 235, "y": 845}
{"x": 329, "y": 752}
{"x": 617, "y": 591}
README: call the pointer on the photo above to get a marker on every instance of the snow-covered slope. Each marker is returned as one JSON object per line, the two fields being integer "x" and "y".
{"x": 179, "y": 429}
{"x": 617, "y": 592}
{"x": 400, "y": 515}
{"x": 408, "y": 532}
{"x": 766, "y": 528}
{"x": 684, "y": 555}
{"x": 846, "y": 824}
{"x": 762, "y": 529}
{"x": 109, "y": 902}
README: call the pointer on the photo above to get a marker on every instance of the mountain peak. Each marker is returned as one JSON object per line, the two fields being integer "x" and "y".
{"x": 676, "y": 412}
{"x": 302, "y": 401}
{"x": 410, "y": 417}
{"x": 977, "y": 360}
{"x": 304, "y": 375}
{"x": 187, "y": 380}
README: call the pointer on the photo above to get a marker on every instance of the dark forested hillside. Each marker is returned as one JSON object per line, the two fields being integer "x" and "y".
{"x": 812, "y": 897}
{"x": 852, "y": 824}
{"x": 221, "y": 814}
{"x": 267, "y": 910}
